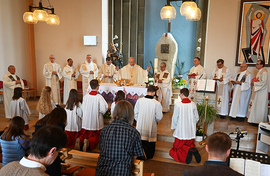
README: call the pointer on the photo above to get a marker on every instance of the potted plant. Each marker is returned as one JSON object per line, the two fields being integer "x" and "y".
{"x": 199, "y": 134}
{"x": 211, "y": 116}
{"x": 178, "y": 81}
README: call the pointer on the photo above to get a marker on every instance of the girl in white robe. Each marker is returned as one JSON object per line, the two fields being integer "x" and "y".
{"x": 19, "y": 107}
{"x": 45, "y": 104}
{"x": 74, "y": 116}
{"x": 120, "y": 95}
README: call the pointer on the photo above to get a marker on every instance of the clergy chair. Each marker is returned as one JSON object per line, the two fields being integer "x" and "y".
{"x": 79, "y": 87}
{"x": 2, "y": 91}
{"x": 28, "y": 90}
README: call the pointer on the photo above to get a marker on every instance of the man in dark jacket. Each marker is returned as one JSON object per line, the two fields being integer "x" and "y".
{"x": 218, "y": 148}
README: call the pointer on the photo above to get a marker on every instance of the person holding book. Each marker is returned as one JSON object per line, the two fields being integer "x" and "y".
{"x": 222, "y": 75}
{"x": 184, "y": 119}
{"x": 218, "y": 147}
{"x": 258, "y": 105}
{"x": 241, "y": 94}
{"x": 195, "y": 73}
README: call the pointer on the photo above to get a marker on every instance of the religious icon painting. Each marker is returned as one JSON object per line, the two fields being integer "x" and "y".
{"x": 254, "y": 32}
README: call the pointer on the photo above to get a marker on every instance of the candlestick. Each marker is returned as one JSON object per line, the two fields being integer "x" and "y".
{"x": 95, "y": 77}
{"x": 146, "y": 79}
{"x": 156, "y": 65}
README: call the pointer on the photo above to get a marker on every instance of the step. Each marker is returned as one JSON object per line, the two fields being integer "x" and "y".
{"x": 176, "y": 91}
{"x": 165, "y": 138}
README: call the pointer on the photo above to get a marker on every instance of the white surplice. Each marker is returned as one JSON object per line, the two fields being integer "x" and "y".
{"x": 74, "y": 118}
{"x": 166, "y": 88}
{"x": 259, "y": 109}
{"x": 20, "y": 108}
{"x": 244, "y": 97}
{"x": 112, "y": 107}
{"x": 200, "y": 71}
{"x": 94, "y": 106}
{"x": 86, "y": 76}
{"x": 147, "y": 113}
{"x": 226, "y": 89}
{"x": 108, "y": 70}
{"x": 9, "y": 85}
{"x": 184, "y": 119}
{"x": 69, "y": 81}
{"x": 135, "y": 73}
{"x": 53, "y": 80}
{"x": 40, "y": 115}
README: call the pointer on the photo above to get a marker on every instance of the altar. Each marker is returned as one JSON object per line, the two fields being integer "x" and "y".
{"x": 133, "y": 93}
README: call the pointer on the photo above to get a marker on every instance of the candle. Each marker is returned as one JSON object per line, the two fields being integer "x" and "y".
{"x": 156, "y": 65}
{"x": 146, "y": 79}
{"x": 95, "y": 77}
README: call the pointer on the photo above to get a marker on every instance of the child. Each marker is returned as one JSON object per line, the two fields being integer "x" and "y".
{"x": 74, "y": 115}
{"x": 19, "y": 107}
{"x": 119, "y": 96}
{"x": 45, "y": 104}
{"x": 14, "y": 142}
{"x": 94, "y": 106}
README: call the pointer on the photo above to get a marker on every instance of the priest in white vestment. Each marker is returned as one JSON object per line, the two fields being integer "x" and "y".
{"x": 106, "y": 72}
{"x": 222, "y": 75}
{"x": 89, "y": 71}
{"x": 165, "y": 84}
{"x": 259, "y": 97}
{"x": 241, "y": 93}
{"x": 133, "y": 72}
{"x": 147, "y": 113}
{"x": 10, "y": 82}
{"x": 52, "y": 73}
{"x": 195, "y": 73}
{"x": 184, "y": 120}
{"x": 94, "y": 106}
{"x": 70, "y": 74}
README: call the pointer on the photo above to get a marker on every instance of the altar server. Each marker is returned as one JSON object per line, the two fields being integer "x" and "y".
{"x": 148, "y": 112}
{"x": 258, "y": 106}
{"x": 184, "y": 120}
{"x": 89, "y": 71}
{"x": 45, "y": 103}
{"x": 10, "y": 82}
{"x": 52, "y": 73}
{"x": 241, "y": 93}
{"x": 74, "y": 116}
{"x": 94, "y": 106}
{"x": 222, "y": 75}
{"x": 165, "y": 83}
{"x": 133, "y": 72}
{"x": 70, "y": 74}
{"x": 19, "y": 107}
{"x": 120, "y": 95}
{"x": 106, "y": 72}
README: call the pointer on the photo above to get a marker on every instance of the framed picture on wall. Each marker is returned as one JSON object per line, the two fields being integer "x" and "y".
{"x": 254, "y": 32}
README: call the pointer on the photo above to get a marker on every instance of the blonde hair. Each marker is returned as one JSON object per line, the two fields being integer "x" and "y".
{"x": 44, "y": 105}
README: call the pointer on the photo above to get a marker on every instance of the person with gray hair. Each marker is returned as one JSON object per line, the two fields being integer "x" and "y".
{"x": 10, "y": 82}
{"x": 119, "y": 142}
{"x": 52, "y": 73}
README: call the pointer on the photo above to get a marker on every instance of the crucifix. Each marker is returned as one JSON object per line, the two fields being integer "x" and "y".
{"x": 219, "y": 101}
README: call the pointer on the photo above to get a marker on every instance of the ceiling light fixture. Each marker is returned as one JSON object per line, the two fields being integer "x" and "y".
{"x": 39, "y": 13}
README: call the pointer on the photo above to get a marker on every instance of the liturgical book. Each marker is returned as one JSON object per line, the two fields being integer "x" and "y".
{"x": 207, "y": 85}
{"x": 249, "y": 167}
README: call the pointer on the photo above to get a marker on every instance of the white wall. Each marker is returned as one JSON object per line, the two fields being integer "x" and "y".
{"x": 14, "y": 38}
{"x": 222, "y": 34}
{"x": 78, "y": 18}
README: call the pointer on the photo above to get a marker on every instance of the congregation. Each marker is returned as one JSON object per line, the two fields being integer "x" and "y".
{"x": 119, "y": 141}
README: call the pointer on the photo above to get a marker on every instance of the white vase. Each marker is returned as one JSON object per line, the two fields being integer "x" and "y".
{"x": 198, "y": 138}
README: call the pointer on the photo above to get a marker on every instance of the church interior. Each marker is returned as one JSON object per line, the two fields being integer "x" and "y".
{"x": 138, "y": 25}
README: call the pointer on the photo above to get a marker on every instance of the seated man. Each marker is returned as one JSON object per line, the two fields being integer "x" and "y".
{"x": 218, "y": 148}
{"x": 184, "y": 119}
{"x": 45, "y": 146}
{"x": 94, "y": 106}
{"x": 120, "y": 142}
{"x": 148, "y": 112}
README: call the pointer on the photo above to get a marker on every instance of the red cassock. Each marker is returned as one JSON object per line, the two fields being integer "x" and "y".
{"x": 72, "y": 136}
{"x": 180, "y": 149}
{"x": 91, "y": 136}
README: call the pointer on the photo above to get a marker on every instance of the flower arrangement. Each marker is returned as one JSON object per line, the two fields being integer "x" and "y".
{"x": 178, "y": 81}
{"x": 107, "y": 115}
{"x": 199, "y": 131}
